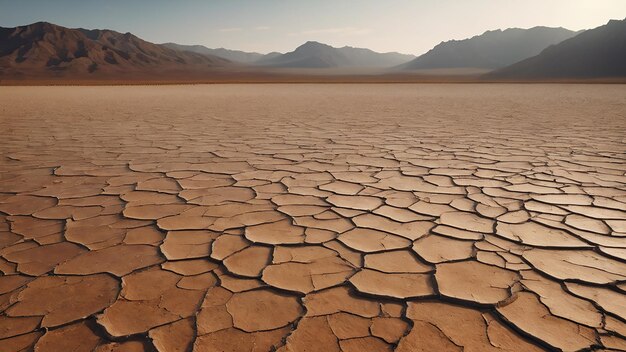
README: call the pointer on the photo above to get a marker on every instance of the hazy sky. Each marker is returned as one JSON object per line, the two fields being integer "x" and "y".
{"x": 409, "y": 26}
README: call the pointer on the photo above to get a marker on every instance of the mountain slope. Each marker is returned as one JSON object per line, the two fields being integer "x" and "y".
{"x": 369, "y": 58}
{"x": 231, "y": 55}
{"x": 317, "y": 55}
{"x": 490, "y": 50}
{"x": 596, "y": 53}
{"x": 309, "y": 55}
{"x": 46, "y": 49}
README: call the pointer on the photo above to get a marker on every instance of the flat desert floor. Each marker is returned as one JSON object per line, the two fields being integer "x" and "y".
{"x": 313, "y": 218}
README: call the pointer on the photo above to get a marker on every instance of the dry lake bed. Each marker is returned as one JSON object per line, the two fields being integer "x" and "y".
{"x": 313, "y": 218}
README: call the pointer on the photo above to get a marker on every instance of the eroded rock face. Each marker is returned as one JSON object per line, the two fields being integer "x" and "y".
{"x": 192, "y": 221}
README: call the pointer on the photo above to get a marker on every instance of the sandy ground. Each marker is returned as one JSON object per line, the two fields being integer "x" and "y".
{"x": 313, "y": 218}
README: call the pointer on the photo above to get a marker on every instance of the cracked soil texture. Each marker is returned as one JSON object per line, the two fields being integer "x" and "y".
{"x": 313, "y": 218}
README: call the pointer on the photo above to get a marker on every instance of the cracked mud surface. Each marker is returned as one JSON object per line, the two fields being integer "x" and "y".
{"x": 313, "y": 218}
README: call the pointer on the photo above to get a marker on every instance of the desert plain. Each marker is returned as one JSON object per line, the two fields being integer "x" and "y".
{"x": 313, "y": 217}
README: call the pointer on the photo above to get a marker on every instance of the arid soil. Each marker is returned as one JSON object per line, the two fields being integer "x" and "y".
{"x": 313, "y": 218}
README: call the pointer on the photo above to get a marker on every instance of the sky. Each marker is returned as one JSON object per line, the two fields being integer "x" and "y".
{"x": 407, "y": 26}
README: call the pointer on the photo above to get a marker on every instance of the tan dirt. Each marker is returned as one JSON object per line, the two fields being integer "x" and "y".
{"x": 312, "y": 217}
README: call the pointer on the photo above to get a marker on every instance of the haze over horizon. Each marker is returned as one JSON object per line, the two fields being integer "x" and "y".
{"x": 411, "y": 27}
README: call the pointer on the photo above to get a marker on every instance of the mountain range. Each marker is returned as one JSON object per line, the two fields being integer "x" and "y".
{"x": 318, "y": 55}
{"x": 231, "y": 55}
{"x": 46, "y": 50}
{"x": 490, "y": 50}
{"x": 309, "y": 55}
{"x": 596, "y": 53}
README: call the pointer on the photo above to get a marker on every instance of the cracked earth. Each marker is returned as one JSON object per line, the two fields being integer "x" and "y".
{"x": 313, "y": 218}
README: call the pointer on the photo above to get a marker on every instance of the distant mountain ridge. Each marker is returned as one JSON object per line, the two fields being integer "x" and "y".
{"x": 490, "y": 50}
{"x": 595, "y": 53}
{"x": 232, "y": 55}
{"x": 318, "y": 55}
{"x": 309, "y": 55}
{"x": 46, "y": 49}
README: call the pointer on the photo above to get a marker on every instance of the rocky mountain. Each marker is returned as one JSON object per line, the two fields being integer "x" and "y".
{"x": 596, "y": 53}
{"x": 490, "y": 50}
{"x": 45, "y": 49}
{"x": 231, "y": 55}
{"x": 317, "y": 55}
